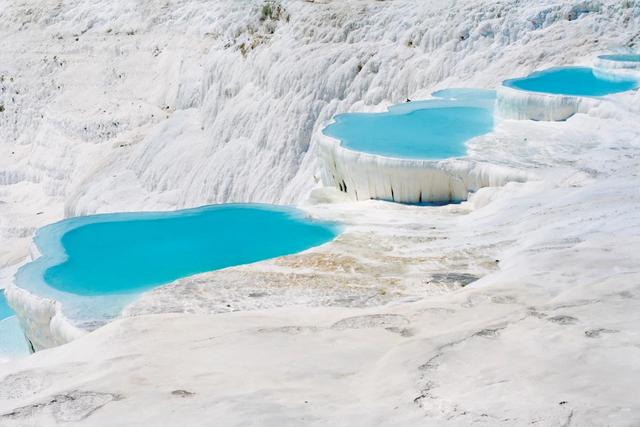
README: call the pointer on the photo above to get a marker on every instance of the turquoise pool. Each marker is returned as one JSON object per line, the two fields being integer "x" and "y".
{"x": 95, "y": 265}
{"x": 622, "y": 57}
{"x": 12, "y": 341}
{"x": 573, "y": 81}
{"x": 432, "y": 129}
{"x": 5, "y": 310}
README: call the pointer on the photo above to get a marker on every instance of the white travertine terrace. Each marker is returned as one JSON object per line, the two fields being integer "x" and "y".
{"x": 605, "y": 63}
{"x": 518, "y": 104}
{"x": 408, "y": 318}
{"x": 42, "y": 320}
{"x": 369, "y": 176}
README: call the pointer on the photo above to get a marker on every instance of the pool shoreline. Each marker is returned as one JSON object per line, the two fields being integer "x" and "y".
{"x": 44, "y": 320}
{"x": 629, "y": 63}
{"x": 365, "y": 175}
{"x": 13, "y": 344}
{"x": 515, "y": 101}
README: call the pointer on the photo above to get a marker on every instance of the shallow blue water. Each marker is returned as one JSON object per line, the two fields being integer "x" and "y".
{"x": 95, "y": 265}
{"x": 575, "y": 81}
{"x": 5, "y": 310}
{"x": 12, "y": 341}
{"x": 626, "y": 57}
{"x": 434, "y": 129}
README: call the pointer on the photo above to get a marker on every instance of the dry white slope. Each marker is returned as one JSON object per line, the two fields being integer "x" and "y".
{"x": 551, "y": 336}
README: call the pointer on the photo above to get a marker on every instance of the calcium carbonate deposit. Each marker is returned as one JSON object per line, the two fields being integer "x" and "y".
{"x": 503, "y": 290}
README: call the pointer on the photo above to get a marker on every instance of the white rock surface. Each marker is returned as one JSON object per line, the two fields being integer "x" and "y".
{"x": 369, "y": 176}
{"x": 42, "y": 320}
{"x": 524, "y": 105}
{"x": 633, "y": 67}
{"x": 158, "y": 108}
{"x": 513, "y": 103}
{"x": 375, "y": 329}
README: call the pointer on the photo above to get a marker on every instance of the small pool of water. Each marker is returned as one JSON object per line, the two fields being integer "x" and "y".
{"x": 573, "y": 81}
{"x": 5, "y": 310}
{"x": 431, "y": 130}
{"x": 12, "y": 341}
{"x": 622, "y": 57}
{"x": 95, "y": 265}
